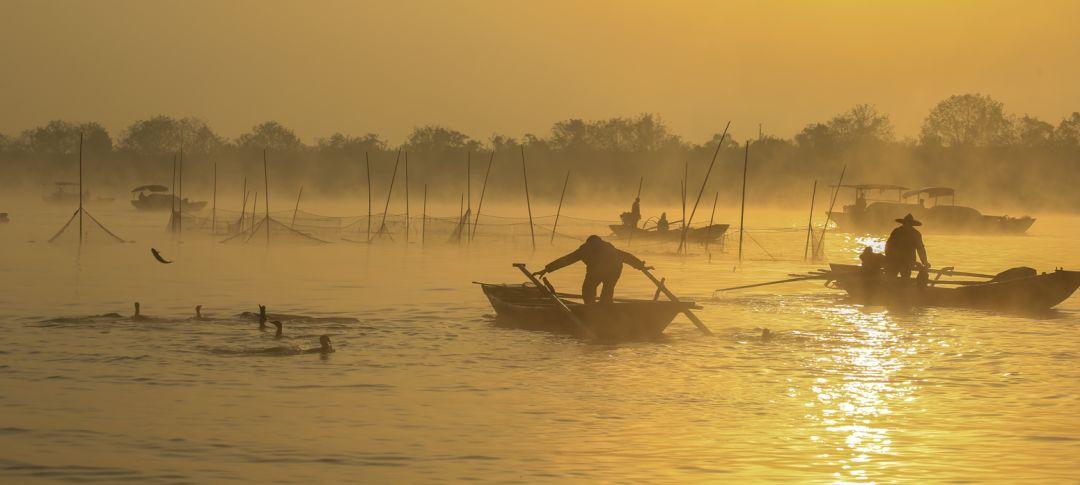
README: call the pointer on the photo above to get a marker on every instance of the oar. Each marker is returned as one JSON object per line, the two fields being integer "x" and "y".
{"x": 789, "y": 280}
{"x": 671, "y": 296}
{"x": 544, "y": 289}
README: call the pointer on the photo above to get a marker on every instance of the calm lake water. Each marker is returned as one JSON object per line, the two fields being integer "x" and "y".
{"x": 424, "y": 387}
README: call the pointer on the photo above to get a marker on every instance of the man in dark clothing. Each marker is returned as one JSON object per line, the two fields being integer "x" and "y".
{"x": 904, "y": 242}
{"x": 603, "y": 264}
{"x": 663, "y": 225}
{"x": 632, "y": 218}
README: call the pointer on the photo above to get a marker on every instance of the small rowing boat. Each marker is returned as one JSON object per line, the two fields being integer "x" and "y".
{"x": 696, "y": 234}
{"x": 526, "y": 306}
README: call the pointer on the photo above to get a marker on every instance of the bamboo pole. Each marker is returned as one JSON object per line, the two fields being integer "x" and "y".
{"x": 368, "y": 164}
{"x": 810, "y": 224}
{"x": 266, "y": 195}
{"x": 406, "y": 197}
{"x": 297, "y": 208}
{"x": 180, "y": 190}
{"x": 80, "y": 189}
{"x": 828, "y": 216}
{"x": 483, "y": 190}
{"x": 172, "y": 190}
{"x": 254, "y": 204}
{"x": 243, "y": 207}
{"x": 682, "y": 239}
{"x": 559, "y": 209}
{"x": 742, "y": 208}
{"x": 528, "y": 203}
{"x": 468, "y": 194}
{"x": 712, "y": 217}
{"x": 386, "y": 208}
{"x": 423, "y": 220}
{"x": 213, "y": 207}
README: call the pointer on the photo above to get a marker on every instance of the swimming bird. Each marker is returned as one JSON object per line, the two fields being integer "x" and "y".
{"x": 262, "y": 317}
{"x": 324, "y": 346}
{"x": 279, "y": 326}
{"x": 766, "y": 334}
{"x": 158, "y": 256}
{"x": 137, "y": 317}
{"x": 198, "y": 313}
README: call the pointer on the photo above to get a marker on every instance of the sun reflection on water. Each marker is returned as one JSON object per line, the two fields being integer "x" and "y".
{"x": 856, "y": 393}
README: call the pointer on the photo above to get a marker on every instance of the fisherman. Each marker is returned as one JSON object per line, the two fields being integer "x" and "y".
{"x": 872, "y": 263}
{"x": 663, "y": 225}
{"x": 904, "y": 242}
{"x": 632, "y": 218}
{"x": 603, "y": 264}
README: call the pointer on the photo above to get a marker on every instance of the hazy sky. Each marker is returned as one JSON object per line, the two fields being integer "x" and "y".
{"x": 514, "y": 67}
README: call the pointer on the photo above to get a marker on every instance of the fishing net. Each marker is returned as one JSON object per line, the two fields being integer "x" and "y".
{"x": 93, "y": 231}
{"x": 269, "y": 229}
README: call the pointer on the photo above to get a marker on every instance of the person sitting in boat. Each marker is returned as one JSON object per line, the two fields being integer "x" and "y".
{"x": 901, "y": 247}
{"x": 603, "y": 265}
{"x": 872, "y": 263}
{"x": 632, "y": 218}
{"x": 663, "y": 225}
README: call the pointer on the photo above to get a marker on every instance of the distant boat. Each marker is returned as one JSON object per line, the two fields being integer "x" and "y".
{"x": 879, "y": 216}
{"x": 157, "y": 198}
{"x": 65, "y": 193}
{"x": 697, "y": 234}
{"x": 526, "y": 307}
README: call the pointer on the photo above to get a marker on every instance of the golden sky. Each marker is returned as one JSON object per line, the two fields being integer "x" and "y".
{"x": 514, "y": 67}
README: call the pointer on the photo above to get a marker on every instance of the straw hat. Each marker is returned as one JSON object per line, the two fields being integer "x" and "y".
{"x": 909, "y": 221}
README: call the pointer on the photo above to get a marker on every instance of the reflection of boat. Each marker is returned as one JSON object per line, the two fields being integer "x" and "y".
{"x": 867, "y": 215}
{"x": 696, "y": 234}
{"x": 65, "y": 193}
{"x": 157, "y": 198}
{"x": 1024, "y": 292}
{"x": 525, "y": 306}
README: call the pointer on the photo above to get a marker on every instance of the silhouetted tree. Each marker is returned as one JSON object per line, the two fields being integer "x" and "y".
{"x": 270, "y": 135}
{"x": 1068, "y": 131}
{"x": 1033, "y": 132}
{"x": 967, "y": 120}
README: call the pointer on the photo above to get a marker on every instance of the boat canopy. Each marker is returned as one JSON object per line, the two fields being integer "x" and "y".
{"x": 873, "y": 187}
{"x": 151, "y": 188}
{"x": 931, "y": 192}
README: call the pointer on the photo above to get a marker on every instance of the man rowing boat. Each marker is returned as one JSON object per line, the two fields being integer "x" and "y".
{"x": 603, "y": 265}
{"x": 904, "y": 242}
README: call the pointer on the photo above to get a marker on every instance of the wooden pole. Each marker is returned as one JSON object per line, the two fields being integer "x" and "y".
{"x": 386, "y": 208}
{"x": 810, "y": 224}
{"x": 682, "y": 240}
{"x": 368, "y": 164}
{"x": 266, "y": 194}
{"x": 528, "y": 203}
{"x": 742, "y": 208}
{"x": 828, "y": 216}
{"x": 406, "y": 197}
{"x": 297, "y": 208}
{"x": 243, "y": 207}
{"x": 80, "y": 189}
{"x": 559, "y": 210}
{"x": 213, "y": 207}
{"x": 172, "y": 190}
{"x": 468, "y": 195}
{"x": 671, "y": 296}
{"x": 423, "y": 220}
{"x": 712, "y": 217}
{"x": 254, "y": 204}
{"x": 483, "y": 190}
{"x": 562, "y": 306}
{"x": 180, "y": 189}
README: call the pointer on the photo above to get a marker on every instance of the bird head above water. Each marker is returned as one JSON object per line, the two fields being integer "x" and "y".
{"x": 324, "y": 342}
{"x": 279, "y": 326}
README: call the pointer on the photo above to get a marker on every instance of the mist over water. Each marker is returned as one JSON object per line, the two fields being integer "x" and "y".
{"x": 424, "y": 385}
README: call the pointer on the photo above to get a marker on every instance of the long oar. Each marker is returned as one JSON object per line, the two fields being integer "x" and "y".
{"x": 544, "y": 289}
{"x": 789, "y": 280}
{"x": 671, "y": 296}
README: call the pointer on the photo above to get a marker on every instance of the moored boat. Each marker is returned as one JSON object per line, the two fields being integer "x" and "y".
{"x": 1030, "y": 292}
{"x": 526, "y": 306}
{"x": 877, "y": 215}
{"x": 157, "y": 198}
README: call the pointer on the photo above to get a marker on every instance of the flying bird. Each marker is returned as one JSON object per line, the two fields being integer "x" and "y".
{"x": 158, "y": 257}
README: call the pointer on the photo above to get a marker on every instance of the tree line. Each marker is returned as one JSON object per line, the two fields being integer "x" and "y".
{"x": 967, "y": 141}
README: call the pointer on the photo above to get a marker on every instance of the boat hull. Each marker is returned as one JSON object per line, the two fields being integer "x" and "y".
{"x": 1033, "y": 293}
{"x": 880, "y": 217}
{"x": 525, "y": 307}
{"x": 163, "y": 202}
{"x": 697, "y": 234}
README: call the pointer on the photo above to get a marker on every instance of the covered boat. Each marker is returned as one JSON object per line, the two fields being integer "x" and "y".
{"x": 1027, "y": 291}
{"x": 158, "y": 198}
{"x": 879, "y": 215}
{"x": 527, "y": 306}
{"x": 696, "y": 234}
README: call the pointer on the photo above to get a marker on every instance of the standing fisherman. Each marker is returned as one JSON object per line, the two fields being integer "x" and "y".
{"x": 904, "y": 242}
{"x": 632, "y": 218}
{"x": 603, "y": 264}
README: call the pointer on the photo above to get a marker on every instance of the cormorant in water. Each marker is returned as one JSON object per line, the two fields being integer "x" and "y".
{"x": 198, "y": 313}
{"x": 279, "y": 326}
{"x": 262, "y": 317}
{"x": 137, "y": 317}
{"x": 324, "y": 346}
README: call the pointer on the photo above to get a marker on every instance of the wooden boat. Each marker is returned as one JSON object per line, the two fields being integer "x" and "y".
{"x": 696, "y": 234}
{"x": 525, "y": 306}
{"x": 156, "y": 198}
{"x": 868, "y": 215}
{"x": 1026, "y": 293}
